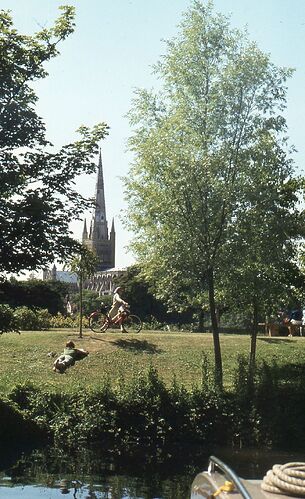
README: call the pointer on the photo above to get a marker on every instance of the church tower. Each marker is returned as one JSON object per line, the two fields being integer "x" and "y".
{"x": 98, "y": 240}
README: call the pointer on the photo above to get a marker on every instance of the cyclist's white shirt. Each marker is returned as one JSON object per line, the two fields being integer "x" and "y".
{"x": 118, "y": 305}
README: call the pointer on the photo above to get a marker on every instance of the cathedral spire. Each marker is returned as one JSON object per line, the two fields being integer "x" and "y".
{"x": 99, "y": 221}
{"x": 100, "y": 176}
{"x": 85, "y": 231}
{"x": 98, "y": 239}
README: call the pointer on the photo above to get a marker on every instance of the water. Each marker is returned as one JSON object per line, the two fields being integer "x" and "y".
{"x": 95, "y": 474}
{"x": 50, "y": 473}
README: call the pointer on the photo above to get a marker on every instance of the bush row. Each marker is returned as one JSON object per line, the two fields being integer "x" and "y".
{"x": 145, "y": 412}
{"x": 38, "y": 319}
{"x": 27, "y": 319}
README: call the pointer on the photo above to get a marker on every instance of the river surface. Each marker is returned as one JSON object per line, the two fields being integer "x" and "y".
{"x": 94, "y": 474}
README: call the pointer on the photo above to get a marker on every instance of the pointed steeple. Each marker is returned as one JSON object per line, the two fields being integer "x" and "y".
{"x": 100, "y": 176}
{"x": 99, "y": 221}
{"x": 112, "y": 228}
{"x": 112, "y": 243}
{"x": 85, "y": 232}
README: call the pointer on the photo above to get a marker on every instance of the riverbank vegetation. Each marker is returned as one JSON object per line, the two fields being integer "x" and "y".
{"x": 154, "y": 389}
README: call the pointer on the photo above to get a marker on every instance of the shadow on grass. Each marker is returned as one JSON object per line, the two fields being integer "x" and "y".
{"x": 289, "y": 373}
{"x": 99, "y": 339}
{"x": 138, "y": 346}
{"x": 275, "y": 340}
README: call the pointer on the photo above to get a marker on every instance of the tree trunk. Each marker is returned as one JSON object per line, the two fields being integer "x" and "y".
{"x": 217, "y": 351}
{"x": 80, "y": 306}
{"x": 201, "y": 321}
{"x": 253, "y": 337}
{"x": 217, "y": 312}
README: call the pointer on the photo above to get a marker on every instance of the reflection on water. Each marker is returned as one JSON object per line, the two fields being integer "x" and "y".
{"x": 96, "y": 473}
{"x": 51, "y": 473}
{"x": 114, "y": 489}
{"x": 106, "y": 487}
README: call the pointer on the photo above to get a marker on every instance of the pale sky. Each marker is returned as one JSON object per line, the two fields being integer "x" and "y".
{"x": 111, "y": 53}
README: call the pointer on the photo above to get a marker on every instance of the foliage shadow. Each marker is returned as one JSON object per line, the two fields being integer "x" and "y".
{"x": 138, "y": 346}
{"x": 277, "y": 340}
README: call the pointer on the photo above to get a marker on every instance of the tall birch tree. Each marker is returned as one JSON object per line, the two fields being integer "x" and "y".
{"x": 195, "y": 142}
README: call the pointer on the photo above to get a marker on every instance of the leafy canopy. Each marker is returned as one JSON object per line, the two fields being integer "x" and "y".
{"x": 38, "y": 198}
{"x": 211, "y": 157}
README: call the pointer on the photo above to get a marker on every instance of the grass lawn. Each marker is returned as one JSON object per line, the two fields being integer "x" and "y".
{"x": 118, "y": 356}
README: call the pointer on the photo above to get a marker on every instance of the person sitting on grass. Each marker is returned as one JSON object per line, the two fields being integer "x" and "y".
{"x": 69, "y": 357}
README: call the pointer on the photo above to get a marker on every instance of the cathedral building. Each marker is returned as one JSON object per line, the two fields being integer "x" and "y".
{"x": 98, "y": 239}
{"x": 101, "y": 242}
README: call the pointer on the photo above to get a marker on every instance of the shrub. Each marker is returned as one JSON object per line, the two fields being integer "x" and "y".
{"x": 26, "y": 318}
{"x": 8, "y": 321}
{"x": 61, "y": 321}
{"x": 143, "y": 411}
{"x": 15, "y": 425}
{"x": 43, "y": 318}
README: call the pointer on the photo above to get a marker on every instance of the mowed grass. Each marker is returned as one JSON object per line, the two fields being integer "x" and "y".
{"x": 117, "y": 357}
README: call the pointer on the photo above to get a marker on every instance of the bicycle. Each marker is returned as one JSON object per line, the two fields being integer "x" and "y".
{"x": 99, "y": 321}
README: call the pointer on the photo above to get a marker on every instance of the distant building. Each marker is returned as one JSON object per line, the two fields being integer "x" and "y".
{"x": 59, "y": 275}
{"x": 104, "y": 282}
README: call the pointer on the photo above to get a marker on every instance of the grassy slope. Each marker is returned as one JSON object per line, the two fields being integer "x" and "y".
{"x": 115, "y": 355}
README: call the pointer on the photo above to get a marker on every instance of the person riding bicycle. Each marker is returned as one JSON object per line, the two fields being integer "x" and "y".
{"x": 118, "y": 306}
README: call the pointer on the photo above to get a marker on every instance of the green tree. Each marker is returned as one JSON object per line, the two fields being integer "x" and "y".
{"x": 139, "y": 293}
{"x": 90, "y": 300}
{"x": 50, "y": 295}
{"x": 194, "y": 140}
{"x": 263, "y": 251}
{"x": 38, "y": 199}
{"x": 83, "y": 265}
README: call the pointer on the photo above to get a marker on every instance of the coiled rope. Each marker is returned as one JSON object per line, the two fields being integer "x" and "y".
{"x": 286, "y": 479}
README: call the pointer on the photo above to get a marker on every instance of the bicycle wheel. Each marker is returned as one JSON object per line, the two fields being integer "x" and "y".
{"x": 132, "y": 324}
{"x": 98, "y": 322}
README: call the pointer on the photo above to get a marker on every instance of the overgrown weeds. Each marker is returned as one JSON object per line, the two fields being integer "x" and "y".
{"x": 263, "y": 411}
